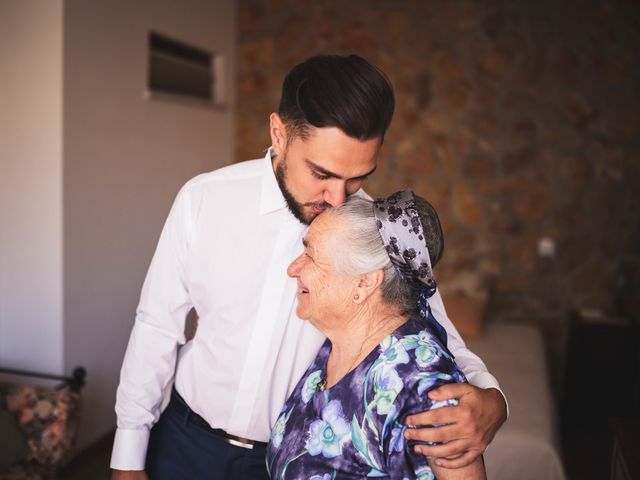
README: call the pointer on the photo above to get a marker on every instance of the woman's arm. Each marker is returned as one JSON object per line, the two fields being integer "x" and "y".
{"x": 481, "y": 411}
{"x": 429, "y": 367}
{"x": 473, "y": 471}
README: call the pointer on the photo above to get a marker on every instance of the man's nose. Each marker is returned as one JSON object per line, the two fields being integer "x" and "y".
{"x": 335, "y": 195}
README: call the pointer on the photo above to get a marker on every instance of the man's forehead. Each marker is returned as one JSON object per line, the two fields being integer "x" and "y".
{"x": 333, "y": 150}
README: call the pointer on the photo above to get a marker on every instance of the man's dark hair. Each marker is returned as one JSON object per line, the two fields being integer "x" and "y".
{"x": 346, "y": 92}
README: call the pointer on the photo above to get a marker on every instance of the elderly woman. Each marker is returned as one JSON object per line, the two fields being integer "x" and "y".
{"x": 364, "y": 280}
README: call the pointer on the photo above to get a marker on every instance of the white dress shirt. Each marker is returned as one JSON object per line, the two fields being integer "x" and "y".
{"x": 224, "y": 250}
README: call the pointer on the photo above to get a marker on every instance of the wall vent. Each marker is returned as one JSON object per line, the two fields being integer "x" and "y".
{"x": 181, "y": 71}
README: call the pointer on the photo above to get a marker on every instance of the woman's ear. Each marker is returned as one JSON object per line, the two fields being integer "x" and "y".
{"x": 278, "y": 133}
{"x": 367, "y": 284}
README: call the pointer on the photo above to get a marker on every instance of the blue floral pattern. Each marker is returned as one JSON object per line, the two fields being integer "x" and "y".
{"x": 277, "y": 432}
{"x": 355, "y": 429}
{"x": 310, "y": 385}
{"x": 326, "y": 476}
{"x": 327, "y": 435}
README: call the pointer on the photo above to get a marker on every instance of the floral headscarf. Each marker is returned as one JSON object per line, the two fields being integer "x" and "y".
{"x": 403, "y": 236}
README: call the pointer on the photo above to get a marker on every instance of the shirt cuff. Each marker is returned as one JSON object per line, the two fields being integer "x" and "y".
{"x": 485, "y": 380}
{"x": 130, "y": 449}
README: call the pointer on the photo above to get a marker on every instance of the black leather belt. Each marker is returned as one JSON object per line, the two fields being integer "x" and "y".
{"x": 179, "y": 405}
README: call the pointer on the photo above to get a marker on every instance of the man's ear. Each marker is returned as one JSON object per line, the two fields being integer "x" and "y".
{"x": 368, "y": 283}
{"x": 278, "y": 133}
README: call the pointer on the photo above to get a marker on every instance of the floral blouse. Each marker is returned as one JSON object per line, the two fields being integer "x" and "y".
{"x": 355, "y": 428}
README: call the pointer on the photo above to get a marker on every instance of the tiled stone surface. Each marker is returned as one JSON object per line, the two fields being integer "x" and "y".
{"x": 517, "y": 119}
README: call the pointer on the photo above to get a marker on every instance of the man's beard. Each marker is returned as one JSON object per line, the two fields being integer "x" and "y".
{"x": 295, "y": 207}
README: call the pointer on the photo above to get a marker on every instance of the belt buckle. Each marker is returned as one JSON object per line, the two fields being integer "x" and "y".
{"x": 238, "y": 441}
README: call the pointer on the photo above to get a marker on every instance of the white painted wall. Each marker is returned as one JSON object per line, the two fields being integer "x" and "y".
{"x": 31, "y": 323}
{"x": 31, "y": 185}
{"x": 125, "y": 159}
{"x": 88, "y": 171}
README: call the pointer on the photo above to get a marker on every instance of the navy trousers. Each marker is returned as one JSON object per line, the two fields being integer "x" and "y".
{"x": 179, "y": 449}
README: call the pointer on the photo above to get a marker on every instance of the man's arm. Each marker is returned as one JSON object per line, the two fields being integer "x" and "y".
{"x": 472, "y": 424}
{"x": 468, "y": 428}
{"x": 149, "y": 362}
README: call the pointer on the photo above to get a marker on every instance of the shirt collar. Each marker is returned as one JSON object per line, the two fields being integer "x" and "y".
{"x": 271, "y": 198}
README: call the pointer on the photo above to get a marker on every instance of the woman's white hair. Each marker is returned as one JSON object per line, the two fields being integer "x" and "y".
{"x": 359, "y": 248}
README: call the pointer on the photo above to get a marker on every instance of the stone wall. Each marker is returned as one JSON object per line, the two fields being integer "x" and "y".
{"x": 517, "y": 119}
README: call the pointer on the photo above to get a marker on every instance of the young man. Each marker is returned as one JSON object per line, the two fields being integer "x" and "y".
{"x": 224, "y": 250}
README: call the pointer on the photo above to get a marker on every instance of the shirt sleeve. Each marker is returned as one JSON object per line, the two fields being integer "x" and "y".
{"x": 471, "y": 365}
{"x": 150, "y": 357}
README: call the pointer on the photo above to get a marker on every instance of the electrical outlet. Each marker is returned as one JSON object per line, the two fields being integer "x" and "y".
{"x": 546, "y": 247}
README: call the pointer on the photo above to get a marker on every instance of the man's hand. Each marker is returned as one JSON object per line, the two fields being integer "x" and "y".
{"x": 470, "y": 426}
{"x": 128, "y": 475}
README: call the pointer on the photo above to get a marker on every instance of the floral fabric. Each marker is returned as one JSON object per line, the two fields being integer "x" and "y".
{"x": 355, "y": 428}
{"x": 47, "y": 417}
{"x": 402, "y": 232}
{"x": 403, "y": 236}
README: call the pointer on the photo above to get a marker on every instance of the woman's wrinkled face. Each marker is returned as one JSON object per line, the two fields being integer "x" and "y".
{"x": 324, "y": 292}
